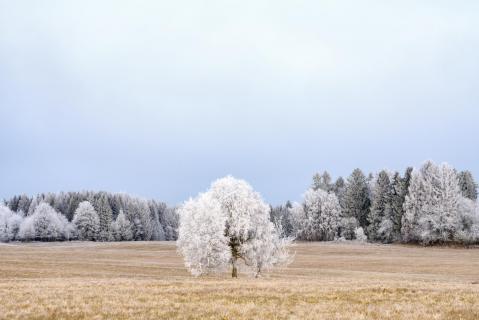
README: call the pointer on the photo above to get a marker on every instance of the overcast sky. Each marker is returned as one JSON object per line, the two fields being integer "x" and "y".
{"x": 159, "y": 98}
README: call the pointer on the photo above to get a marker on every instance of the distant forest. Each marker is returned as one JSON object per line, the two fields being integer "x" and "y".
{"x": 434, "y": 204}
{"x": 51, "y": 216}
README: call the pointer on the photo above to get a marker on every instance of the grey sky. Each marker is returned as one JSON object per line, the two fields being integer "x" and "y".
{"x": 159, "y": 98}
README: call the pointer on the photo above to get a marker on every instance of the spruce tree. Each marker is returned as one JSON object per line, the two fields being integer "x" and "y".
{"x": 356, "y": 198}
{"x": 103, "y": 209}
{"x": 338, "y": 189}
{"x": 396, "y": 204}
{"x": 380, "y": 213}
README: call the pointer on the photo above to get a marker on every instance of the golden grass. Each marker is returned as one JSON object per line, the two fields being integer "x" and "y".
{"x": 147, "y": 280}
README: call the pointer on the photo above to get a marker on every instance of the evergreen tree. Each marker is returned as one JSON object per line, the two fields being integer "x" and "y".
{"x": 281, "y": 218}
{"x": 338, "y": 189}
{"x": 86, "y": 221}
{"x": 318, "y": 218}
{"x": 396, "y": 204}
{"x": 432, "y": 206}
{"x": 102, "y": 207}
{"x": 122, "y": 228}
{"x": 322, "y": 181}
{"x": 468, "y": 185}
{"x": 356, "y": 198}
{"x": 380, "y": 214}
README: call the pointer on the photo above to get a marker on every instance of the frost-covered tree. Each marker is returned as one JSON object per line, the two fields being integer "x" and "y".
{"x": 380, "y": 217}
{"x": 468, "y": 231}
{"x": 171, "y": 221}
{"x": 9, "y": 224}
{"x": 338, "y": 189}
{"x": 356, "y": 198}
{"x": 322, "y": 181}
{"x": 155, "y": 210}
{"x": 202, "y": 240}
{"x": 45, "y": 224}
{"x": 359, "y": 234}
{"x": 138, "y": 213}
{"x": 397, "y": 196}
{"x": 318, "y": 217}
{"x": 227, "y": 225}
{"x": 102, "y": 207}
{"x": 468, "y": 185}
{"x": 281, "y": 218}
{"x": 86, "y": 221}
{"x": 432, "y": 206}
{"x": 121, "y": 228}
{"x": 348, "y": 227}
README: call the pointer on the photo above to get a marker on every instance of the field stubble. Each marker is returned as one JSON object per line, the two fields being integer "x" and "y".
{"x": 147, "y": 280}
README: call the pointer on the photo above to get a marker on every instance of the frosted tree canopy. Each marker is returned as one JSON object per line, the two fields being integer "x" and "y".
{"x": 229, "y": 226}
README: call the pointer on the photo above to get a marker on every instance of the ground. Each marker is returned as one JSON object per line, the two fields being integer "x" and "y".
{"x": 147, "y": 280}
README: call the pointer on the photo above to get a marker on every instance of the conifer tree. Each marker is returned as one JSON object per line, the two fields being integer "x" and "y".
{"x": 468, "y": 185}
{"x": 102, "y": 207}
{"x": 380, "y": 214}
{"x": 356, "y": 198}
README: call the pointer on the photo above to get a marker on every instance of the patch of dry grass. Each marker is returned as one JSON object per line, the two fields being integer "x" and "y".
{"x": 147, "y": 280}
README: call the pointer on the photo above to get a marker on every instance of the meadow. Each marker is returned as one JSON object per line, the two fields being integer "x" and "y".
{"x": 147, "y": 280}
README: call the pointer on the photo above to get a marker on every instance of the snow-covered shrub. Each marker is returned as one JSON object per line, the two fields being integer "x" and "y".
{"x": 359, "y": 235}
{"x": 385, "y": 233}
{"x": 86, "y": 221}
{"x": 348, "y": 228}
{"x": 44, "y": 224}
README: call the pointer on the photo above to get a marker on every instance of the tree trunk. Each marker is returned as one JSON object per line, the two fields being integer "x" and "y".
{"x": 234, "y": 273}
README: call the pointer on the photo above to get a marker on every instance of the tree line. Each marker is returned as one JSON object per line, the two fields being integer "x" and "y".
{"x": 434, "y": 204}
{"x": 97, "y": 216}
{"x": 430, "y": 205}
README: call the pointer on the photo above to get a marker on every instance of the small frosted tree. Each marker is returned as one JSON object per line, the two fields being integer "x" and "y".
{"x": 9, "y": 224}
{"x": 86, "y": 221}
{"x": 318, "y": 217}
{"x": 322, "y": 181}
{"x": 122, "y": 228}
{"x": 468, "y": 231}
{"x": 228, "y": 224}
{"x": 379, "y": 217}
{"x": 45, "y": 224}
{"x": 433, "y": 205}
{"x": 347, "y": 228}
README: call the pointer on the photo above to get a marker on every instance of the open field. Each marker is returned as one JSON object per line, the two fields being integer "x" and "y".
{"x": 147, "y": 280}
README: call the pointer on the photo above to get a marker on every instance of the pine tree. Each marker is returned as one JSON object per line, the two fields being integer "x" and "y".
{"x": 356, "y": 198}
{"x": 379, "y": 216}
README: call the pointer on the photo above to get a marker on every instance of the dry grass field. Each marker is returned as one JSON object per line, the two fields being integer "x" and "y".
{"x": 147, "y": 280}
